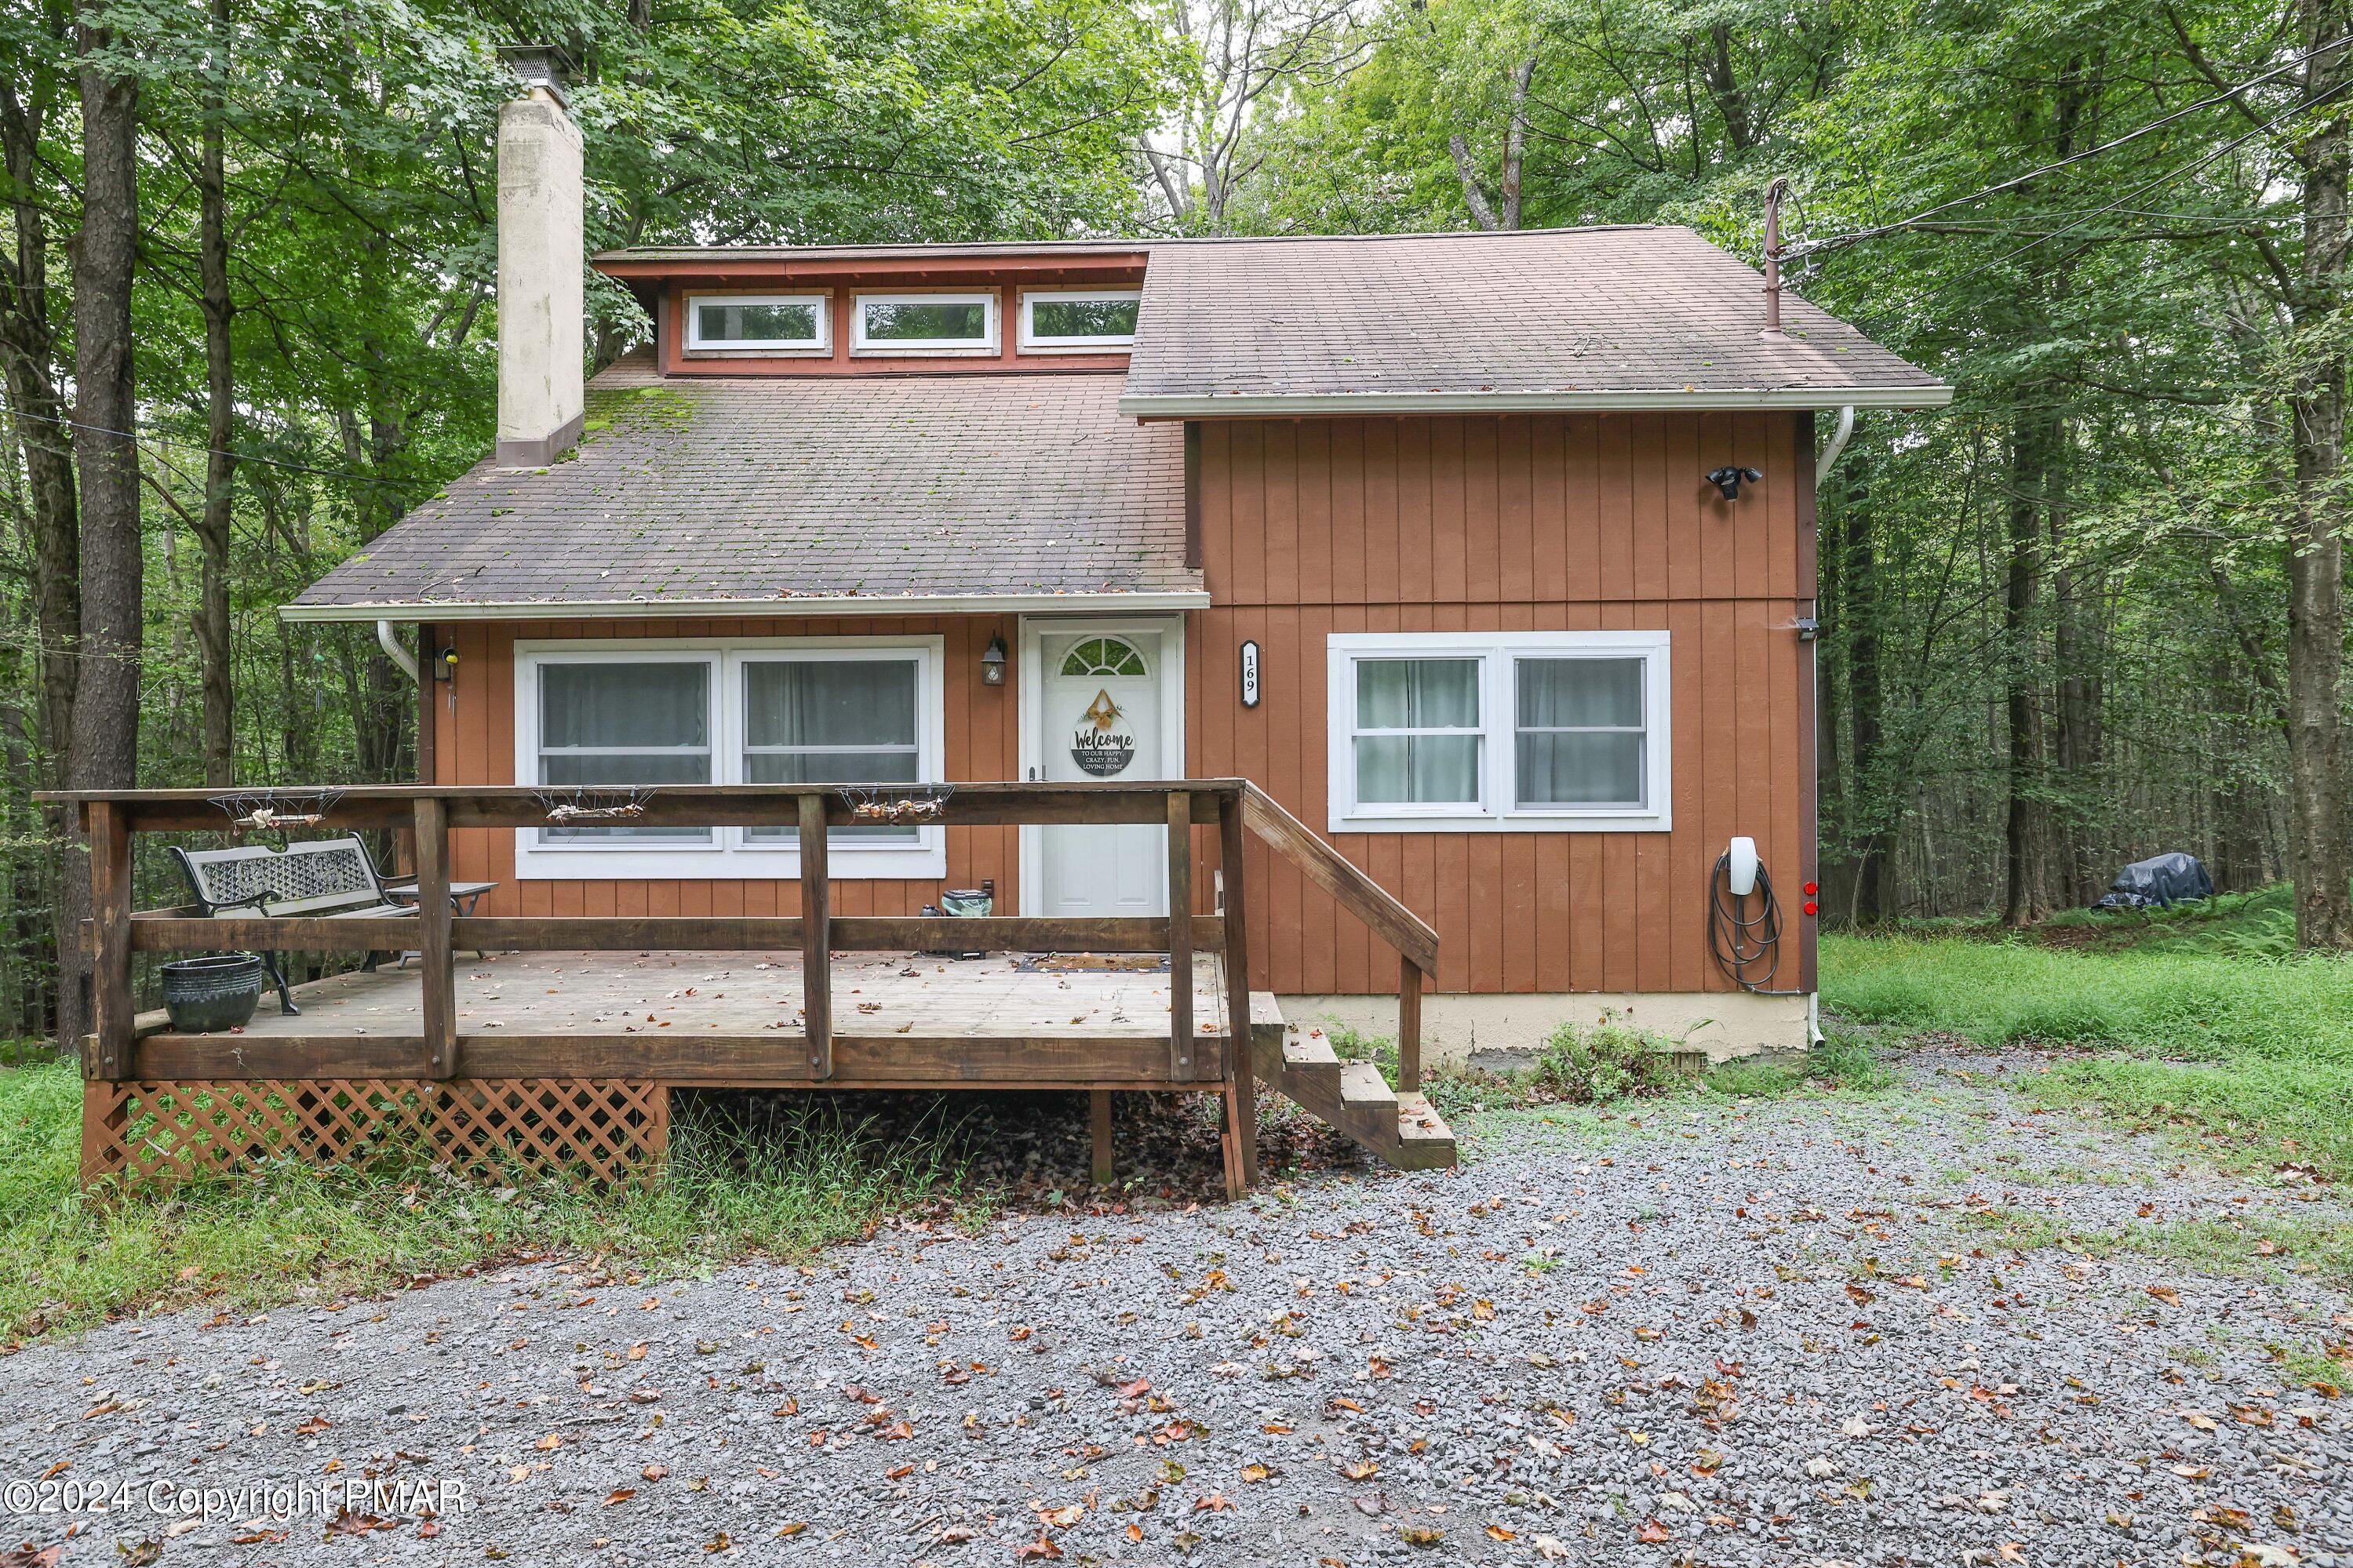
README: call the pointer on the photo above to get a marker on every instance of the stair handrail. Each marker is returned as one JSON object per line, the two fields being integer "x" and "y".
{"x": 1414, "y": 939}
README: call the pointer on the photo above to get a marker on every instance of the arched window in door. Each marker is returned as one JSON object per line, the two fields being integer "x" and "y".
{"x": 1103, "y": 656}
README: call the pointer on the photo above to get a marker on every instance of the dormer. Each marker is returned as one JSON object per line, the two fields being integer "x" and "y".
{"x": 880, "y": 310}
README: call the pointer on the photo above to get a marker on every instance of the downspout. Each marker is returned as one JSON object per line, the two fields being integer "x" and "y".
{"x": 1831, "y": 453}
{"x": 389, "y": 641}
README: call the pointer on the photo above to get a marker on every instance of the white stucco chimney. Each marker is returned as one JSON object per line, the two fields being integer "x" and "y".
{"x": 542, "y": 332}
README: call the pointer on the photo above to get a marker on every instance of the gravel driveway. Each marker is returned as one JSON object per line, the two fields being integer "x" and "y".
{"x": 1788, "y": 1332}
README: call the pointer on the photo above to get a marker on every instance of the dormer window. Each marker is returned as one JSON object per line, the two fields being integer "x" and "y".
{"x": 767, "y": 324}
{"x": 1067, "y": 321}
{"x": 926, "y": 324}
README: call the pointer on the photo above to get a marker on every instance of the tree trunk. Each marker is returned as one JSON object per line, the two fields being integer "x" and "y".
{"x": 220, "y": 424}
{"x": 2316, "y": 557}
{"x": 104, "y": 752}
{"x": 2023, "y": 900}
{"x": 29, "y": 346}
{"x": 1866, "y": 708}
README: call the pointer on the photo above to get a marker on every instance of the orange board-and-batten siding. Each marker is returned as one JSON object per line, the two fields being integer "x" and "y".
{"x": 1579, "y": 521}
{"x": 1365, "y": 524}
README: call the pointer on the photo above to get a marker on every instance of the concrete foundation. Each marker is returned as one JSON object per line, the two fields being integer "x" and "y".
{"x": 1458, "y": 1027}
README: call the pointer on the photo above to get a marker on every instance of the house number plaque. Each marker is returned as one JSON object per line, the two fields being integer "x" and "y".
{"x": 1249, "y": 674}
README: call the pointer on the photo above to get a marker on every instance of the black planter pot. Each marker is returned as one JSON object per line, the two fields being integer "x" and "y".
{"x": 206, "y": 995}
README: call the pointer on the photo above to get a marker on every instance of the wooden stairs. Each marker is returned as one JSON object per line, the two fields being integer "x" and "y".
{"x": 1300, "y": 1065}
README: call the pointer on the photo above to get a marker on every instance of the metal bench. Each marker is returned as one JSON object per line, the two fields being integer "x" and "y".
{"x": 330, "y": 877}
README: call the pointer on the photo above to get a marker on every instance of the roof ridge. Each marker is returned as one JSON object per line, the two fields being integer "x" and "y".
{"x": 1113, "y": 245}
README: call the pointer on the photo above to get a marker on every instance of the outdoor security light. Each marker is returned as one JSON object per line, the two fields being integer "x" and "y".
{"x": 1728, "y": 481}
{"x": 992, "y": 663}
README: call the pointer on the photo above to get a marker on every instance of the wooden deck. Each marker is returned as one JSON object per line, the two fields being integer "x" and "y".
{"x": 561, "y": 1051}
{"x": 688, "y": 1018}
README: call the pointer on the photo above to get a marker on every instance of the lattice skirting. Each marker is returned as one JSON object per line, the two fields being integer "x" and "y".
{"x": 600, "y": 1130}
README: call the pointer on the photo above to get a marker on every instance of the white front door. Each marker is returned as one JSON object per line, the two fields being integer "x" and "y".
{"x": 1100, "y": 717}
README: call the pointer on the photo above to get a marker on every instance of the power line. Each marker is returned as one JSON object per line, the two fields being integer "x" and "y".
{"x": 2170, "y": 176}
{"x": 1839, "y": 241}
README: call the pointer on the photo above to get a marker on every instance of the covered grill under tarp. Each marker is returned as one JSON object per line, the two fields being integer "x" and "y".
{"x": 2161, "y": 880}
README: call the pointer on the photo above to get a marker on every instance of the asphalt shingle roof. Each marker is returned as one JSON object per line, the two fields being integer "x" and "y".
{"x": 767, "y": 489}
{"x": 1643, "y": 309}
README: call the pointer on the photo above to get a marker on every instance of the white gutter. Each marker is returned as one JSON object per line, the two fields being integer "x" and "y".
{"x": 389, "y": 641}
{"x": 1830, "y": 454}
{"x": 384, "y": 615}
{"x": 1283, "y": 406}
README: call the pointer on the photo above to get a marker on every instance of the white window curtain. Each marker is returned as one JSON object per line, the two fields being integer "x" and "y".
{"x": 1580, "y": 732}
{"x": 633, "y": 723}
{"x": 1418, "y": 731}
{"x": 826, "y": 721}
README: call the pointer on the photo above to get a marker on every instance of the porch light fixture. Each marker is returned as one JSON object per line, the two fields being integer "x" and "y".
{"x": 1728, "y": 480}
{"x": 992, "y": 663}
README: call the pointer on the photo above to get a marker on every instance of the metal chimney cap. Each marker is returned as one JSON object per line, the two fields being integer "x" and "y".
{"x": 543, "y": 66}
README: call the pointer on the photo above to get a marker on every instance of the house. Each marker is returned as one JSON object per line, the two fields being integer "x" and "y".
{"x": 1489, "y": 556}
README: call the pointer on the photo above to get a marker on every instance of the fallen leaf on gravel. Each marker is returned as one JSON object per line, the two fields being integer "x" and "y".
{"x": 795, "y": 1526}
{"x": 141, "y": 1555}
{"x": 2199, "y": 1419}
{"x": 2167, "y": 1294}
{"x": 1551, "y": 1548}
{"x": 1253, "y": 1473}
{"x": 549, "y": 1444}
{"x": 1360, "y": 1470}
{"x": 1040, "y": 1548}
{"x": 1652, "y": 1532}
{"x": 1497, "y": 1532}
{"x": 1062, "y": 1518}
{"x": 313, "y": 1426}
{"x": 654, "y": 1472}
{"x": 1216, "y": 1502}
{"x": 619, "y": 1494}
{"x": 1135, "y": 1533}
{"x": 717, "y": 1544}
{"x": 1419, "y": 1535}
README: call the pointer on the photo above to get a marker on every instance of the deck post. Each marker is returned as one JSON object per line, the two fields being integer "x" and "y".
{"x": 1180, "y": 932}
{"x": 1409, "y": 1026}
{"x": 113, "y": 1011}
{"x": 817, "y": 937}
{"x": 1241, "y": 1045}
{"x": 1099, "y": 1133}
{"x": 436, "y": 953}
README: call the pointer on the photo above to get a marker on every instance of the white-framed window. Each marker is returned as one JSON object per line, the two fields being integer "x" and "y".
{"x": 963, "y": 323}
{"x": 1073, "y": 321}
{"x": 1499, "y": 731}
{"x": 769, "y": 324}
{"x": 744, "y": 710}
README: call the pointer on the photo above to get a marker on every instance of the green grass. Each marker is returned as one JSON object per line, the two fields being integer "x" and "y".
{"x": 1587, "y": 1065}
{"x": 780, "y": 1186}
{"x": 2199, "y": 1018}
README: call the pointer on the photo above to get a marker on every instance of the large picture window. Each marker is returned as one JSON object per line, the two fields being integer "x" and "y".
{"x": 1506, "y": 732}
{"x": 771, "y": 711}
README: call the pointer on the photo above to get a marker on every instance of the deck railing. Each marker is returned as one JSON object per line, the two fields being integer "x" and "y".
{"x": 1236, "y": 808}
